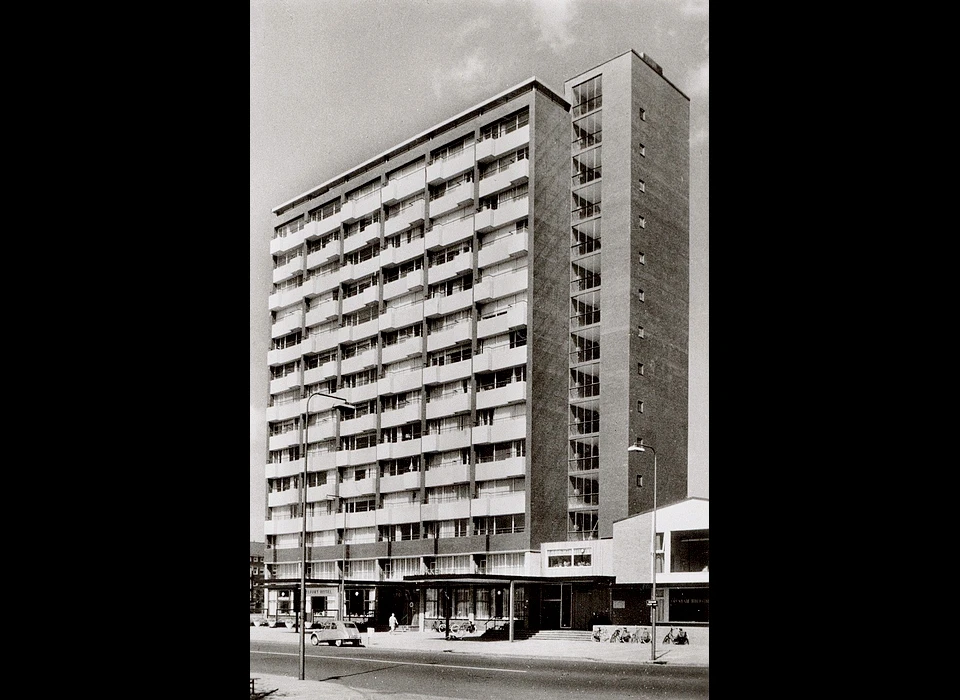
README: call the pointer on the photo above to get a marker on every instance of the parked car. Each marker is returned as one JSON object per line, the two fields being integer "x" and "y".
{"x": 334, "y": 632}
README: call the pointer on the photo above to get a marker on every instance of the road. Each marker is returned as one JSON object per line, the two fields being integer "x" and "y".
{"x": 476, "y": 677}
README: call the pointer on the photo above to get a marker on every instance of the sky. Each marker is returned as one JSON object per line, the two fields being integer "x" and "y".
{"x": 336, "y": 82}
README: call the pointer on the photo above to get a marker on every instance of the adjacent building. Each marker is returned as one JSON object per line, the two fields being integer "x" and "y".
{"x": 469, "y": 330}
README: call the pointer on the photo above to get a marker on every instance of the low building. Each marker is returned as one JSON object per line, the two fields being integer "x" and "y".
{"x": 256, "y": 576}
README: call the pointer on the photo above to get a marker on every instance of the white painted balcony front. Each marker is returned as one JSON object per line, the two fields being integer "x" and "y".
{"x": 283, "y": 498}
{"x": 327, "y": 370}
{"x": 403, "y": 349}
{"x": 323, "y": 311}
{"x": 501, "y": 469}
{"x": 358, "y": 208}
{"x": 501, "y": 431}
{"x": 441, "y": 374}
{"x": 489, "y": 149}
{"x": 280, "y": 470}
{"x": 508, "y": 320}
{"x": 498, "y": 505}
{"x": 329, "y": 252}
{"x": 350, "y": 334}
{"x": 501, "y": 358}
{"x": 514, "y": 392}
{"x": 448, "y": 474}
{"x": 400, "y": 482}
{"x": 453, "y": 198}
{"x": 318, "y": 523}
{"x": 358, "y": 394}
{"x": 286, "y": 324}
{"x": 407, "y": 217}
{"x": 460, "y": 264}
{"x": 453, "y": 510}
{"x": 284, "y": 411}
{"x": 399, "y": 416}
{"x": 362, "y": 360}
{"x": 321, "y": 284}
{"x": 283, "y": 440}
{"x": 514, "y": 174}
{"x": 282, "y": 356}
{"x": 288, "y": 269}
{"x": 395, "y": 255}
{"x": 441, "y": 170}
{"x": 402, "y": 187}
{"x": 282, "y": 526}
{"x": 359, "y": 239}
{"x": 449, "y": 233}
{"x": 291, "y": 240}
{"x": 321, "y": 493}
{"x": 512, "y": 246}
{"x": 368, "y": 297}
{"x": 324, "y": 430}
{"x": 366, "y": 268}
{"x": 281, "y": 384}
{"x": 353, "y": 426}
{"x": 286, "y": 297}
{"x": 443, "y": 305}
{"x": 506, "y": 213}
{"x": 399, "y": 383}
{"x": 503, "y": 285}
{"x": 352, "y": 488}
{"x": 330, "y": 223}
{"x": 400, "y": 513}
{"x": 367, "y": 518}
{"x": 399, "y": 450}
{"x": 410, "y": 282}
{"x": 450, "y": 440}
{"x": 448, "y": 406}
{"x": 449, "y": 336}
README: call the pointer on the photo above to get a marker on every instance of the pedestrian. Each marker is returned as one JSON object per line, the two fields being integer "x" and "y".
{"x": 681, "y": 637}
{"x": 393, "y": 623}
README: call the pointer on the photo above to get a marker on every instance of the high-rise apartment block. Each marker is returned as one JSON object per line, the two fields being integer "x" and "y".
{"x": 469, "y": 330}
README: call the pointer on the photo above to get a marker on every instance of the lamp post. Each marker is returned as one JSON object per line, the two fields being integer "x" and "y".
{"x": 303, "y": 532}
{"x": 653, "y": 552}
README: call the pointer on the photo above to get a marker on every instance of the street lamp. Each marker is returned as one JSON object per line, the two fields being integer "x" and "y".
{"x": 303, "y": 533}
{"x": 639, "y": 447}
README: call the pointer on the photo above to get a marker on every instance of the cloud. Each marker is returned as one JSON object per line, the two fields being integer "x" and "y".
{"x": 466, "y": 77}
{"x": 695, "y": 8}
{"x": 555, "y": 18}
{"x": 698, "y": 80}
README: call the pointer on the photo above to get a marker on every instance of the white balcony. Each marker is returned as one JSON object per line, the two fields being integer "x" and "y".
{"x": 500, "y": 286}
{"x": 284, "y": 355}
{"x": 511, "y": 319}
{"x": 352, "y": 489}
{"x": 413, "y": 214}
{"x": 359, "y": 394}
{"x": 447, "y": 474}
{"x": 286, "y": 324}
{"x": 280, "y": 470}
{"x": 443, "y": 305}
{"x": 449, "y": 233}
{"x": 501, "y": 469}
{"x": 288, "y": 269}
{"x": 443, "y": 442}
{"x": 358, "y": 208}
{"x": 321, "y": 284}
{"x": 284, "y": 526}
{"x": 349, "y": 334}
{"x": 441, "y": 170}
{"x": 401, "y": 188}
{"x": 353, "y": 426}
{"x": 286, "y": 297}
{"x": 400, "y": 513}
{"x": 287, "y": 439}
{"x": 515, "y": 392}
{"x": 361, "y": 238}
{"x": 328, "y": 370}
{"x": 514, "y": 174}
{"x": 513, "y": 246}
{"x": 368, "y": 297}
{"x": 453, "y": 510}
{"x": 449, "y": 336}
{"x": 399, "y": 416}
{"x": 501, "y": 358}
{"x": 401, "y": 350}
{"x": 489, "y": 149}
{"x": 327, "y": 521}
{"x": 460, "y": 264}
{"x": 283, "y": 383}
{"x": 410, "y": 282}
{"x": 448, "y": 406}
{"x": 290, "y": 241}
{"x": 355, "y": 458}
{"x": 284, "y": 411}
{"x": 399, "y": 383}
{"x": 323, "y": 311}
{"x": 283, "y": 498}
{"x": 501, "y": 431}
{"x": 367, "y": 518}
{"x": 321, "y": 431}
{"x": 441, "y": 374}
{"x": 362, "y": 360}
{"x": 399, "y": 450}
{"x": 498, "y": 505}
{"x": 362, "y": 269}
{"x": 453, "y": 198}
{"x": 402, "y": 253}
{"x": 400, "y": 482}
{"x": 507, "y": 213}
{"x": 321, "y": 493}
{"x": 329, "y": 252}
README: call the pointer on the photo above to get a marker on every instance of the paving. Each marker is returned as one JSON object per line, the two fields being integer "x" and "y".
{"x": 696, "y": 653}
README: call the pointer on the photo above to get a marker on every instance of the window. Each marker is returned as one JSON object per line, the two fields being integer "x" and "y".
{"x": 639, "y": 331}
{"x": 642, "y": 185}
{"x": 640, "y": 295}
{"x": 639, "y": 406}
{"x": 640, "y": 368}
{"x": 506, "y": 125}
{"x": 587, "y": 96}
{"x": 643, "y": 114}
{"x": 641, "y": 258}
{"x": 642, "y": 221}
{"x": 641, "y": 149}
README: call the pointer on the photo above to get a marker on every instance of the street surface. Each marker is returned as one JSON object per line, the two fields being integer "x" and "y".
{"x": 473, "y": 676}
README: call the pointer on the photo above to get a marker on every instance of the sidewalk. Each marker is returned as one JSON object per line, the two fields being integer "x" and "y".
{"x": 697, "y": 653}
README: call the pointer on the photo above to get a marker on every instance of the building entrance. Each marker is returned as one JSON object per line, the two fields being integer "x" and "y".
{"x": 555, "y": 606}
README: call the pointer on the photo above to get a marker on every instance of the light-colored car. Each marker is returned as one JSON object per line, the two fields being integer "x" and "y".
{"x": 335, "y": 633}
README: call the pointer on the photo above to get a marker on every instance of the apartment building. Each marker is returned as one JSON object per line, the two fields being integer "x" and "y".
{"x": 468, "y": 331}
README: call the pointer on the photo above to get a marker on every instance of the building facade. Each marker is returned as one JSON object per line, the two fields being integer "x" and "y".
{"x": 468, "y": 331}
{"x": 257, "y": 569}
